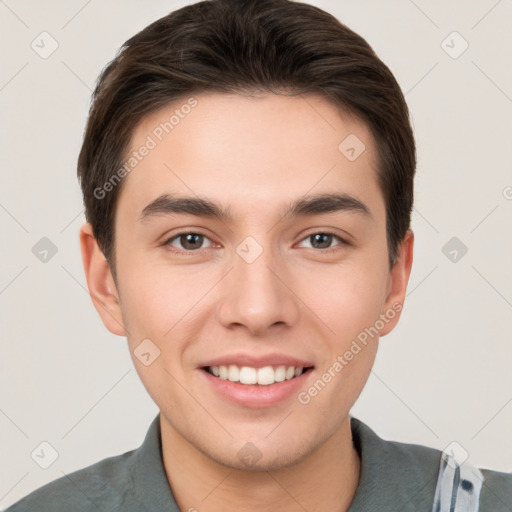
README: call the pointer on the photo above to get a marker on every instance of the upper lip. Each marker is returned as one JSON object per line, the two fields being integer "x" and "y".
{"x": 254, "y": 361}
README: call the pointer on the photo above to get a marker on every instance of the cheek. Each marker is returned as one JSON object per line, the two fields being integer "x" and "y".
{"x": 349, "y": 308}
{"x": 160, "y": 300}
{"x": 347, "y": 299}
{"x": 158, "y": 304}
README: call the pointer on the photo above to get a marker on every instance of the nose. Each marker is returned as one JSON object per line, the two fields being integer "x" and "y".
{"x": 258, "y": 295}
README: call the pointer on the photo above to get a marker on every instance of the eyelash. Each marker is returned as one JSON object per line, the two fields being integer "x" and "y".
{"x": 172, "y": 249}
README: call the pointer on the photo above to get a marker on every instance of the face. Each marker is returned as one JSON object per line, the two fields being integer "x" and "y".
{"x": 253, "y": 274}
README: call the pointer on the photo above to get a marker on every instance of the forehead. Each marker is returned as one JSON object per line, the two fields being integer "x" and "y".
{"x": 248, "y": 151}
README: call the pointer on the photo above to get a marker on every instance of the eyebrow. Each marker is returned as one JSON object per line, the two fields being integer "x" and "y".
{"x": 204, "y": 207}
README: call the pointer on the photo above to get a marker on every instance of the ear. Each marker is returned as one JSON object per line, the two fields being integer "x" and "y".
{"x": 100, "y": 282}
{"x": 397, "y": 285}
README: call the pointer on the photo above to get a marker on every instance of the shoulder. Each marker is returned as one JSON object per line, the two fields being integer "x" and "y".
{"x": 394, "y": 475}
{"x": 100, "y": 486}
{"x": 134, "y": 481}
{"x": 407, "y": 457}
{"x": 407, "y": 474}
{"x": 496, "y": 493}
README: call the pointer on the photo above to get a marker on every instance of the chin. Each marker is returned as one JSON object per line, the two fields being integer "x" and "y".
{"x": 258, "y": 455}
{"x": 259, "y": 461}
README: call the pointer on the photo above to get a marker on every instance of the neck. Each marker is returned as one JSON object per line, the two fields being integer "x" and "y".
{"x": 325, "y": 479}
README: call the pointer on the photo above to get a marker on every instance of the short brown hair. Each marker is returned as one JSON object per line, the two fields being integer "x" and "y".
{"x": 238, "y": 46}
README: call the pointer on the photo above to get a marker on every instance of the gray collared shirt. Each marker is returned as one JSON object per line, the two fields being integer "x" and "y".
{"x": 394, "y": 477}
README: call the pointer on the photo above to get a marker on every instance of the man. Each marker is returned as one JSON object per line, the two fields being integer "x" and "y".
{"x": 247, "y": 172}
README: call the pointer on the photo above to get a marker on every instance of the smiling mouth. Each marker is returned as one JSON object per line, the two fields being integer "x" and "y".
{"x": 248, "y": 375}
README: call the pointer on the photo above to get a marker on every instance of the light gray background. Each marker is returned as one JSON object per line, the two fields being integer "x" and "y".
{"x": 443, "y": 375}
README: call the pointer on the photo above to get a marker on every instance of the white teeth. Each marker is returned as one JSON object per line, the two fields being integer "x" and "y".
{"x": 248, "y": 375}
{"x": 233, "y": 373}
{"x": 280, "y": 373}
{"x": 262, "y": 376}
{"x": 266, "y": 376}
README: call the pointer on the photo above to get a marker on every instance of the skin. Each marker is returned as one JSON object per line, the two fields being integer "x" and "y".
{"x": 254, "y": 154}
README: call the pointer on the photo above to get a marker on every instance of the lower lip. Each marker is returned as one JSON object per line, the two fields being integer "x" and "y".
{"x": 254, "y": 395}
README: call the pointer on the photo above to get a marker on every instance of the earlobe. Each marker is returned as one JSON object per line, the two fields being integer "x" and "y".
{"x": 398, "y": 279}
{"x": 100, "y": 282}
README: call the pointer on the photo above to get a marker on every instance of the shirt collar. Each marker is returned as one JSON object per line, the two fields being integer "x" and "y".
{"x": 394, "y": 476}
{"x": 150, "y": 484}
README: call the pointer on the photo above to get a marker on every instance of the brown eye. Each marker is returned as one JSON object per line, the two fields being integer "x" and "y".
{"x": 323, "y": 240}
{"x": 187, "y": 241}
